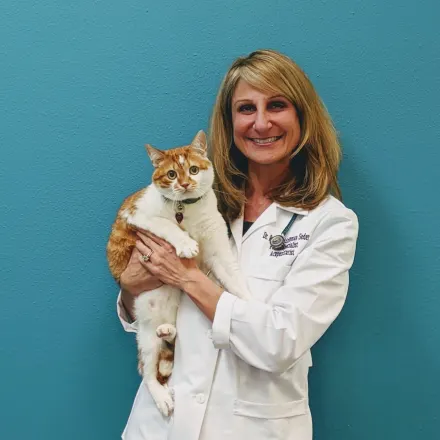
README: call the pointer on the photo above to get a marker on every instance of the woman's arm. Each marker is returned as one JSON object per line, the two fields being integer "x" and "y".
{"x": 273, "y": 336}
{"x": 182, "y": 273}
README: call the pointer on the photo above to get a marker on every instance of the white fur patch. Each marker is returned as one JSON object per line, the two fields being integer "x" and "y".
{"x": 181, "y": 160}
{"x": 165, "y": 368}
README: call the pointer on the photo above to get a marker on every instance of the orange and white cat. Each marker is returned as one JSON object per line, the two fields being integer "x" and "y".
{"x": 179, "y": 206}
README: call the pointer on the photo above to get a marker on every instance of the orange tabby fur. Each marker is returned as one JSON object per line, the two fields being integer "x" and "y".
{"x": 123, "y": 236}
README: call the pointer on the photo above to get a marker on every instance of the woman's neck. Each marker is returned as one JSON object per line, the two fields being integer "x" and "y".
{"x": 262, "y": 179}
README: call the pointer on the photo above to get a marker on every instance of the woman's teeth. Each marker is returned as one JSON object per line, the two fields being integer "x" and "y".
{"x": 266, "y": 140}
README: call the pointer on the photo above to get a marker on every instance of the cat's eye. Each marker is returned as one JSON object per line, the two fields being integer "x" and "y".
{"x": 193, "y": 170}
{"x": 171, "y": 174}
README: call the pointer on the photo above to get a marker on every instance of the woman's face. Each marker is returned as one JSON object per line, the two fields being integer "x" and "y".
{"x": 266, "y": 127}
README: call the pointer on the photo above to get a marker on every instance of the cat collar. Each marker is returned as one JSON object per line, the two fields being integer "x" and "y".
{"x": 179, "y": 207}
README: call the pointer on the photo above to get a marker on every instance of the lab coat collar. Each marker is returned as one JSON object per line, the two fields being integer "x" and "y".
{"x": 274, "y": 214}
{"x": 292, "y": 209}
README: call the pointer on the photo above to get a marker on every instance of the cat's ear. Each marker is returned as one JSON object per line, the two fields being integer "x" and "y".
{"x": 156, "y": 155}
{"x": 199, "y": 143}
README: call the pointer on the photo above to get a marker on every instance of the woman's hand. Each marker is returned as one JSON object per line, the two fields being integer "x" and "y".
{"x": 134, "y": 280}
{"x": 182, "y": 273}
{"x": 163, "y": 263}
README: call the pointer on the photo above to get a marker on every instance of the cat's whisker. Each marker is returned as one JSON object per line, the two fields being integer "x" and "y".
{"x": 198, "y": 191}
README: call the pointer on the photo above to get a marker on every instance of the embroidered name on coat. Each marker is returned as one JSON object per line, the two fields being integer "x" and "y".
{"x": 291, "y": 243}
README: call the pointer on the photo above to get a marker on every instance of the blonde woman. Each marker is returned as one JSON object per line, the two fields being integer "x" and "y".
{"x": 241, "y": 367}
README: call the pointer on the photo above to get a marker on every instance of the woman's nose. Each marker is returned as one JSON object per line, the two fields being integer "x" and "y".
{"x": 262, "y": 122}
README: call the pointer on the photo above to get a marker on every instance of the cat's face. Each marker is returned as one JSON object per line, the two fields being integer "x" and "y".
{"x": 184, "y": 172}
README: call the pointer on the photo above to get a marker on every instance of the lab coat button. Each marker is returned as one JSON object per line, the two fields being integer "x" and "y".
{"x": 200, "y": 398}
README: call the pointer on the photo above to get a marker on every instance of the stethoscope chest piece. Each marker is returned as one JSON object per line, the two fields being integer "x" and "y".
{"x": 277, "y": 242}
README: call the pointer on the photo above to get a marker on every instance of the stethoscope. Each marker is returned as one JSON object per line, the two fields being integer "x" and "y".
{"x": 278, "y": 242}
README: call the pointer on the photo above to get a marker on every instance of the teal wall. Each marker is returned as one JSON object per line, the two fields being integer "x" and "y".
{"x": 84, "y": 85}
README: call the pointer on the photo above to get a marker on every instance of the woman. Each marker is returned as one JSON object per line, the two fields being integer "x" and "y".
{"x": 241, "y": 366}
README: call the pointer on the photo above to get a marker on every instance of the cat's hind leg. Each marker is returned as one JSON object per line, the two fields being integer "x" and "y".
{"x": 150, "y": 353}
{"x": 150, "y": 347}
{"x": 166, "y": 332}
{"x": 165, "y": 363}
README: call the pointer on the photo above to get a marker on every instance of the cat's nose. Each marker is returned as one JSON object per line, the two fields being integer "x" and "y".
{"x": 184, "y": 185}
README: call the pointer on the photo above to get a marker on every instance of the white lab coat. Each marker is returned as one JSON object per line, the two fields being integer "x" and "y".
{"x": 244, "y": 376}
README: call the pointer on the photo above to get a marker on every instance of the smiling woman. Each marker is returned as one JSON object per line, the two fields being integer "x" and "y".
{"x": 241, "y": 365}
{"x": 266, "y": 128}
{"x": 267, "y": 95}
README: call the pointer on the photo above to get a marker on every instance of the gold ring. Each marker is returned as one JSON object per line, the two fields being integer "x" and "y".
{"x": 147, "y": 257}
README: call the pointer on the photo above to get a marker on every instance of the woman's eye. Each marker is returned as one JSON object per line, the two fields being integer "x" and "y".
{"x": 277, "y": 105}
{"x": 171, "y": 174}
{"x": 246, "y": 108}
{"x": 194, "y": 170}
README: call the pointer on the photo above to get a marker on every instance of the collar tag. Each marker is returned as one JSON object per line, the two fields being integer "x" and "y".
{"x": 179, "y": 217}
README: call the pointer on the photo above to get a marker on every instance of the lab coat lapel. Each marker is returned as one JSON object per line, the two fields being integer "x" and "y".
{"x": 267, "y": 217}
{"x": 274, "y": 214}
{"x": 284, "y": 215}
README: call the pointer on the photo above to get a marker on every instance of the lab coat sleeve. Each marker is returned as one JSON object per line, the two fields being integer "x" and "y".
{"x": 273, "y": 336}
{"x": 124, "y": 318}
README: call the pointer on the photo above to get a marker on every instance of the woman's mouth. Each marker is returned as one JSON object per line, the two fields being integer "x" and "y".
{"x": 266, "y": 141}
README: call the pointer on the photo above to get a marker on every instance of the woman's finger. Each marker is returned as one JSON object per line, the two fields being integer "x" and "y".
{"x": 148, "y": 254}
{"x": 156, "y": 239}
{"x": 160, "y": 241}
{"x": 148, "y": 265}
{"x": 143, "y": 248}
{"x": 150, "y": 243}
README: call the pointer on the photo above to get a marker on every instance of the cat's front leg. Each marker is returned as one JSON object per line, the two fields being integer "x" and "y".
{"x": 164, "y": 228}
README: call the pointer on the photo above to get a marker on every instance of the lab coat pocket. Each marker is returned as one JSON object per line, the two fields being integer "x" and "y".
{"x": 270, "y": 411}
{"x": 269, "y": 268}
{"x": 287, "y": 421}
{"x": 266, "y": 276}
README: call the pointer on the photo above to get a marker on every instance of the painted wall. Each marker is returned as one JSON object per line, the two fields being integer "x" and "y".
{"x": 85, "y": 84}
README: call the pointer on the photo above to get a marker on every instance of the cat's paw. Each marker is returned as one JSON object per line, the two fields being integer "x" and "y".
{"x": 165, "y": 403}
{"x": 166, "y": 332}
{"x": 162, "y": 397}
{"x": 187, "y": 248}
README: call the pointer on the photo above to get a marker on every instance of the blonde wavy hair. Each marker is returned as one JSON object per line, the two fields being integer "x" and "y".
{"x": 314, "y": 162}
